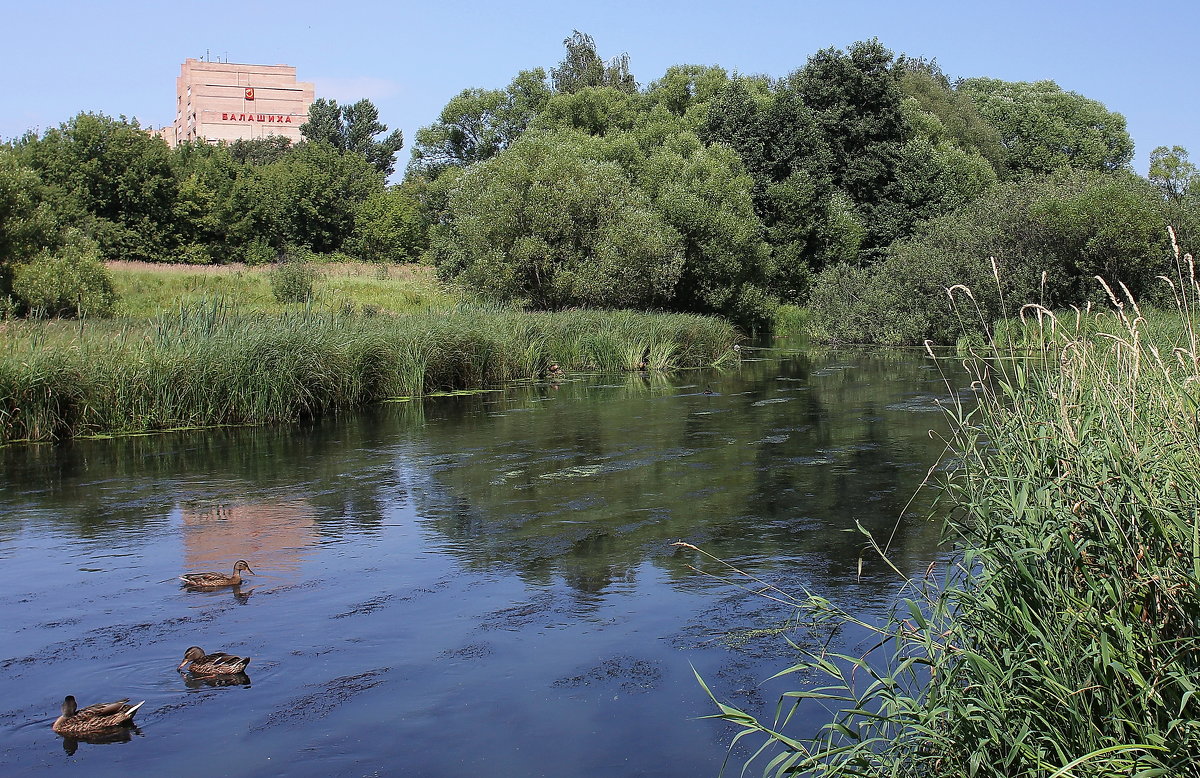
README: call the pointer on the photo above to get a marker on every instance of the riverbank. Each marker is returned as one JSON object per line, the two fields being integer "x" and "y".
{"x": 212, "y": 364}
{"x": 1062, "y": 638}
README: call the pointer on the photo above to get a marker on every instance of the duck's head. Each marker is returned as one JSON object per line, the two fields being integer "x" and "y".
{"x": 191, "y": 655}
{"x": 69, "y": 706}
{"x": 242, "y": 564}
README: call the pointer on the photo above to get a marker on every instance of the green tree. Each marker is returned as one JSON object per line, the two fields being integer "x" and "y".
{"x": 112, "y": 179}
{"x": 946, "y": 116}
{"x": 594, "y": 110}
{"x": 1049, "y": 237}
{"x": 309, "y": 198}
{"x": 856, "y": 105}
{"x": 260, "y": 151}
{"x": 27, "y": 224}
{"x": 388, "y": 228}
{"x": 582, "y": 68}
{"x": 477, "y": 124}
{"x": 809, "y": 221}
{"x": 551, "y": 224}
{"x": 686, "y": 90}
{"x": 704, "y": 194}
{"x": 354, "y": 128}
{"x": 1044, "y": 127}
{"x": 1171, "y": 171}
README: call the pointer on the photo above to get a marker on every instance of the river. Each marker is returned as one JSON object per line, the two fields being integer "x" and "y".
{"x": 478, "y": 584}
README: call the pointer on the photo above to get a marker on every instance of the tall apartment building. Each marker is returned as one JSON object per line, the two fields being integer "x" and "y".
{"x": 225, "y": 101}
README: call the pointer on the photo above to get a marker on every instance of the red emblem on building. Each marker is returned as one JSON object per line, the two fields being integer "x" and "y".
{"x": 249, "y": 93}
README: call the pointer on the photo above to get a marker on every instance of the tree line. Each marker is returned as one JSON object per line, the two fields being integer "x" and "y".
{"x": 860, "y": 185}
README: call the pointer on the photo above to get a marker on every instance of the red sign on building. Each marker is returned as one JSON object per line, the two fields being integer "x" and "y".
{"x": 249, "y": 93}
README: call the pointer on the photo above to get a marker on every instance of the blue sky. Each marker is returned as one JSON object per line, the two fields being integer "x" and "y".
{"x": 59, "y": 58}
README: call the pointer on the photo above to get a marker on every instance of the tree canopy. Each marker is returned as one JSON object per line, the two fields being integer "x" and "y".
{"x": 354, "y": 128}
{"x": 582, "y": 68}
{"x": 1044, "y": 128}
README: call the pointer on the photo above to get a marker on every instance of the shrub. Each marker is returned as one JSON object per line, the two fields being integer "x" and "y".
{"x": 791, "y": 320}
{"x": 71, "y": 281}
{"x": 292, "y": 281}
{"x": 259, "y": 252}
{"x": 1048, "y": 238}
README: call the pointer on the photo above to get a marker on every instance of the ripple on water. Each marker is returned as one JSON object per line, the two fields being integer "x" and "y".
{"x": 327, "y": 697}
{"x": 771, "y": 401}
{"x": 629, "y": 674}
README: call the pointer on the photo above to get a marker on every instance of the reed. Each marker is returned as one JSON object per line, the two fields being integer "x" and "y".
{"x": 209, "y": 364}
{"x": 1062, "y": 637}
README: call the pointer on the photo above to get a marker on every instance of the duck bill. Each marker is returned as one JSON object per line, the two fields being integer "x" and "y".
{"x": 181, "y": 664}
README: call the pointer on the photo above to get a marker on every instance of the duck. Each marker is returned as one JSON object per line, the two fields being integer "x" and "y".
{"x": 218, "y": 579}
{"x": 216, "y": 663}
{"x": 99, "y": 719}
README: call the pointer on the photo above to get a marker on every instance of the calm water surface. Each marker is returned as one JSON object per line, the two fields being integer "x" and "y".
{"x": 481, "y": 584}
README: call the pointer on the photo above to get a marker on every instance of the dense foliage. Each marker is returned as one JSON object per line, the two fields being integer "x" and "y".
{"x": 131, "y": 197}
{"x": 859, "y": 186}
{"x": 1040, "y": 240}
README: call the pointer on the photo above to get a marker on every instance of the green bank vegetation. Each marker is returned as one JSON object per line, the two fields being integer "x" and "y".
{"x": 866, "y": 197}
{"x": 211, "y": 364}
{"x": 1062, "y": 637}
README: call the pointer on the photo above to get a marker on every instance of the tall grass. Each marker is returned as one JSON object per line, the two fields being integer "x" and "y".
{"x": 1062, "y": 637}
{"x": 207, "y": 364}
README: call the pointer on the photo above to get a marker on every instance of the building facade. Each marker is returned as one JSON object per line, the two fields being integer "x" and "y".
{"x": 228, "y": 101}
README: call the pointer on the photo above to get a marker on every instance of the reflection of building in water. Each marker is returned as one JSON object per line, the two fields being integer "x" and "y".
{"x": 273, "y": 536}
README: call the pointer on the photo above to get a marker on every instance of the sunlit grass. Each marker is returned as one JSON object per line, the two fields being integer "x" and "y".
{"x": 147, "y": 290}
{"x": 214, "y": 363}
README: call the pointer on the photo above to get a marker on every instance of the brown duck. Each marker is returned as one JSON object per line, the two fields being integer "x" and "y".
{"x": 216, "y": 663}
{"x": 217, "y": 579}
{"x": 99, "y": 719}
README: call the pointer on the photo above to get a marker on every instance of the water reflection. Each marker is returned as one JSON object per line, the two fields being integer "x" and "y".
{"x": 777, "y": 466}
{"x": 215, "y": 681}
{"x": 427, "y": 570}
{"x": 276, "y": 535}
{"x": 123, "y": 735}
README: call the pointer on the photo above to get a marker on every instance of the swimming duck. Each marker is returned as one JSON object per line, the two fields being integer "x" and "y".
{"x": 216, "y": 663}
{"x": 99, "y": 719}
{"x": 217, "y": 579}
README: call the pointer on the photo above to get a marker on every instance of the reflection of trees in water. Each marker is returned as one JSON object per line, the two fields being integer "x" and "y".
{"x": 591, "y": 485}
{"x": 126, "y": 485}
{"x": 583, "y": 482}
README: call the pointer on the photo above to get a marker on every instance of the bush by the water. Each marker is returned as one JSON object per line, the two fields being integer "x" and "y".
{"x": 206, "y": 365}
{"x": 70, "y": 281}
{"x": 1040, "y": 240}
